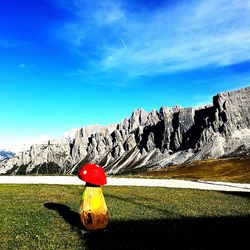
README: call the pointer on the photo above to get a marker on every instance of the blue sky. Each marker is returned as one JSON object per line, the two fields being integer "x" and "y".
{"x": 67, "y": 64}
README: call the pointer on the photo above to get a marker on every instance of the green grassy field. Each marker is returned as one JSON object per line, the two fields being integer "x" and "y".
{"x": 46, "y": 217}
{"x": 228, "y": 169}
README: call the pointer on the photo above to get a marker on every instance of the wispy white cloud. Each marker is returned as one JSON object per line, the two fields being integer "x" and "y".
{"x": 25, "y": 67}
{"x": 109, "y": 13}
{"x": 169, "y": 39}
{"x": 22, "y": 66}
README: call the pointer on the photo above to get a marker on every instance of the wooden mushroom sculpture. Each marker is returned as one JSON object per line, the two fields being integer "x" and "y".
{"x": 93, "y": 208}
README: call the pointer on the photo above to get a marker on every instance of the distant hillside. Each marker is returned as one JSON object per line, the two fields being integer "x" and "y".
{"x": 5, "y": 154}
{"x": 147, "y": 141}
{"x": 235, "y": 169}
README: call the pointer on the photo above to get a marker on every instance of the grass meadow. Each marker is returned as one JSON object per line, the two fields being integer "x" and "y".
{"x": 46, "y": 217}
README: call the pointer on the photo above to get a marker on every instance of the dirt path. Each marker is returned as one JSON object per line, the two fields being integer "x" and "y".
{"x": 73, "y": 180}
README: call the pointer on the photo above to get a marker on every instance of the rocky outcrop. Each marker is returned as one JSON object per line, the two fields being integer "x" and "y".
{"x": 147, "y": 140}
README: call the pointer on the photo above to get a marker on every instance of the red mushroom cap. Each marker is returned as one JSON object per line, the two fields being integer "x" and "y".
{"x": 93, "y": 173}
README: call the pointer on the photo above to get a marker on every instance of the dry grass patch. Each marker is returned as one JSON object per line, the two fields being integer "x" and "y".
{"x": 228, "y": 169}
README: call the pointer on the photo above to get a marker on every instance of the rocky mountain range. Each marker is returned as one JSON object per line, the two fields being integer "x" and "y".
{"x": 147, "y": 140}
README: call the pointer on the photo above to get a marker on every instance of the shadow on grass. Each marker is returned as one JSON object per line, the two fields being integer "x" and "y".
{"x": 241, "y": 194}
{"x": 67, "y": 214}
{"x": 184, "y": 233}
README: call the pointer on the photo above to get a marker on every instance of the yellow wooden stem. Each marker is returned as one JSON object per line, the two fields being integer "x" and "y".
{"x": 93, "y": 208}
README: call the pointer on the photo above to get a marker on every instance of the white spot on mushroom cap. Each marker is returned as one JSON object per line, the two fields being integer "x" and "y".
{"x": 85, "y": 172}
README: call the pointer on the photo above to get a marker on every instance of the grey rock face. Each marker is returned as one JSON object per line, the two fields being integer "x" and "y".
{"x": 147, "y": 140}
